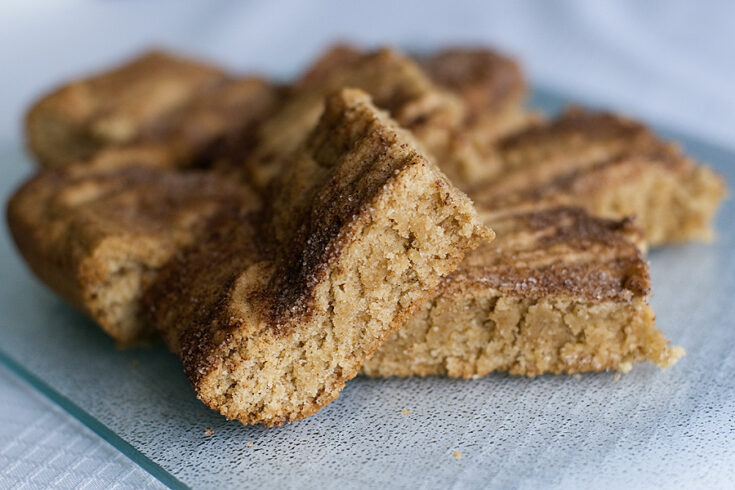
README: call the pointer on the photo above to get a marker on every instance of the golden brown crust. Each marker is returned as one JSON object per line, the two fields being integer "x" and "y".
{"x": 113, "y": 108}
{"x": 611, "y": 166}
{"x": 275, "y": 312}
{"x": 577, "y": 135}
{"x": 557, "y": 292}
{"x": 214, "y": 129}
{"x": 98, "y": 237}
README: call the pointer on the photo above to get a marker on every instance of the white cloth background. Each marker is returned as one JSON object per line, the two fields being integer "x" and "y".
{"x": 670, "y": 62}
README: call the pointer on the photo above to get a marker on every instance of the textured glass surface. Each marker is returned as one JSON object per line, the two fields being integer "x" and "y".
{"x": 42, "y": 447}
{"x": 647, "y": 428}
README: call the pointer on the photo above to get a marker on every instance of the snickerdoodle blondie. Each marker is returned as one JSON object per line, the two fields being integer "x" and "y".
{"x": 99, "y": 238}
{"x": 277, "y": 310}
{"x": 611, "y": 166}
{"x": 556, "y": 292}
{"x": 114, "y": 107}
{"x": 166, "y": 110}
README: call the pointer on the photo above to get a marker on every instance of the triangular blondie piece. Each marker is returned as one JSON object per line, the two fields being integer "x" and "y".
{"x": 277, "y": 310}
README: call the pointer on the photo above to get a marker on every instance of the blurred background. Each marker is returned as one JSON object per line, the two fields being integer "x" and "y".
{"x": 667, "y": 62}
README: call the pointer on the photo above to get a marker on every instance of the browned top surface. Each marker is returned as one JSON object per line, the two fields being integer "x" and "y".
{"x": 561, "y": 252}
{"x": 69, "y": 211}
{"x": 134, "y": 93}
{"x": 580, "y": 137}
{"x": 310, "y": 211}
{"x": 144, "y": 71}
{"x": 216, "y": 125}
{"x": 567, "y": 157}
{"x": 485, "y": 79}
{"x": 147, "y": 86}
{"x": 114, "y": 107}
{"x": 598, "y": 126}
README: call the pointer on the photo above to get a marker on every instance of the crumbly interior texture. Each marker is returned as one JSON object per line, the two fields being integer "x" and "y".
{"x": 98, "y": 238}
{"x": 610, "y": 166}
{"x": 475, "y": 333}
{"x": 113, "y": 108}
{"x": 275, "y": 312}
{"x": 556, "y": 292}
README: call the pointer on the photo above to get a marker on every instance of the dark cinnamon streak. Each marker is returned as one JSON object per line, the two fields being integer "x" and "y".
{"x": 560, "y": 252}
{"x": 610, "y": 166}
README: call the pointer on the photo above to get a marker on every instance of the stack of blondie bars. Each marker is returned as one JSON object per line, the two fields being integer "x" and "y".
{"x": 384, "y": 214}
